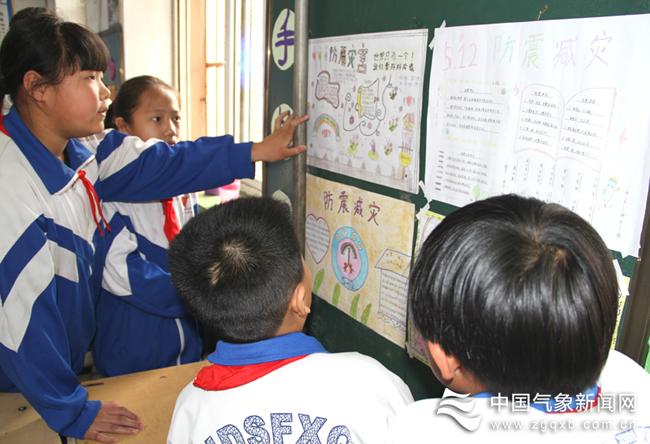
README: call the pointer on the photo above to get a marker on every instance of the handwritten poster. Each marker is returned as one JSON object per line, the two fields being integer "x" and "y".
{"x": 365, "y": 101}
{"x": 359, "y": 251}
{"x": 552, "y": 109}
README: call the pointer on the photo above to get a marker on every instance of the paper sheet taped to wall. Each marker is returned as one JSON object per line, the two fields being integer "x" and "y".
{"x": 359, "y": 250}
{"x": 365, "y": 100}
{"x": 553, "y": 109}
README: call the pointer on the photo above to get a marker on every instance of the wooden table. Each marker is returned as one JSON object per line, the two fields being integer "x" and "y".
{"x": 150, "y": 395}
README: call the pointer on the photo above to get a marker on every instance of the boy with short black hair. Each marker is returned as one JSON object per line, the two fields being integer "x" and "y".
{"x": 517, "y": 300}
{"x": 239, "y": 269}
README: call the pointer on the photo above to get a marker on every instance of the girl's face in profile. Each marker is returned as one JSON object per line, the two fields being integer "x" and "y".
{"x": 78, "y": 103}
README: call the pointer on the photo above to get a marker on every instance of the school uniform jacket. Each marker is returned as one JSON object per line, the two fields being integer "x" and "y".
{"x": 138, "y": 304}
{"x": 615, "y": 411}
{"x": 51, "y": 251}
{"x": 303, "y": 395}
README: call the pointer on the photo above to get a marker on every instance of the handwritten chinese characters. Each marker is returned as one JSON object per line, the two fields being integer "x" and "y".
{"x": 554, "y": 110}
{"x": 359, "y": 251}
{"x": 364, "y": 97}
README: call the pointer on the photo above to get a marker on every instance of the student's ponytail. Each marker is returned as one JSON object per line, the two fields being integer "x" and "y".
{"x": 109, "y": 120}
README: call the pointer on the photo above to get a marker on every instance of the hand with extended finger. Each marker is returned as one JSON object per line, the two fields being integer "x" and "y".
{"x": 113, "y": 418}
{"x": 276, "y": 146}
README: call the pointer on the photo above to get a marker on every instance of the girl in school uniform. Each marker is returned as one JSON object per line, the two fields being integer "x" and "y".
{"x": 52, "y": 241}
{"x": 138, "y": 304}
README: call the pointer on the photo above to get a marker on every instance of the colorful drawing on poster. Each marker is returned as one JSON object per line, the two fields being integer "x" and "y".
{"x": 331, "y": 127}
{"x": 394, "y": 278}
{"x": 368, "y": 87}
{"x": 365, "y": 110}
{"x": 555, "y": 111}
{"x": 359, "y": 251}
{"x": 327, "y": 90}
{"x": 350, "y": 262}
{"x": 317, "y": 237}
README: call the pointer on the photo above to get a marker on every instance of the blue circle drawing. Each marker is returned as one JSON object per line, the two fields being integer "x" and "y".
{"x": 349, "y": 258}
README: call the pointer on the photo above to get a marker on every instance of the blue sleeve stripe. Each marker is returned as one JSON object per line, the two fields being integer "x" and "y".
{"x": 161, "y": 171}
{"x": 111, "y": 142}
{"x": 20, "y": 254}
{"x": 67, "y": 239}
{"x": 30, "y": 243}
{"x": 153, "y": 252}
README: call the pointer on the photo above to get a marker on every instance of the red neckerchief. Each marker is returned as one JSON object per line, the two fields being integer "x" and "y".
{"x": 171, "y": 227}
{"x": 223, "y": 377}
{"x": 93, "y": 199}
{"x": 2, "y": 125}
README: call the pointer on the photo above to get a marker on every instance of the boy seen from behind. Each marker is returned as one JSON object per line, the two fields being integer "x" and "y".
{"x": 517, "y": 301}
{"x": 239, "y": 269}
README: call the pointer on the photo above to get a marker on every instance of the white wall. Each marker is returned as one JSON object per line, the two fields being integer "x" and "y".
{"x": 147, "y": 29}
{"x": 17, "y": 5}
{"x": 70, "y": 10}
{"x": 148, "y": 38}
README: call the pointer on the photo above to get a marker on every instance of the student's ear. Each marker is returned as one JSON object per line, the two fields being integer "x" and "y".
{"x": 445, "y": 365}
{"x": 34, "y": 85}
{"x": 121, "y": 125}
{"x": 300, "y": 302}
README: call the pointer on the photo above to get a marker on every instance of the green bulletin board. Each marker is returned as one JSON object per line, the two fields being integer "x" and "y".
{"x": 328, "y": 18}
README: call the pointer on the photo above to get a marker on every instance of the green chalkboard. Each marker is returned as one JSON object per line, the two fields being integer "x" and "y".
{"x": 342, "y": 17}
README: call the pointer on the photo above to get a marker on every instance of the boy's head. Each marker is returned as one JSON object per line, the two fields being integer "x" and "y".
{"x": 514, "y": 295}
{"x": 239, "y": 270}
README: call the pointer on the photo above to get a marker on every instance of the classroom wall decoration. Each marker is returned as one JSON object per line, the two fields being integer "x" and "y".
{"x": 358, "y": 247}
{"x": 553, "y": 109}
{"x": 283, "y": 39}
{"x": 365, "y": 100}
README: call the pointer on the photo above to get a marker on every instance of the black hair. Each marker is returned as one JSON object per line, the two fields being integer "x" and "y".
{"x": 522, "y": 292}
{"x": 128, "y": 96}
{"x": 235, "y": 267}
{"x": 41, "y": 41}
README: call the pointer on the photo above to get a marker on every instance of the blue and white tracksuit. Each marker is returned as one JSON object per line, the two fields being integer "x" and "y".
{"x": 138, "y": 304}
{"x": 338, "y": 398}
{"x": 51, "y": 254}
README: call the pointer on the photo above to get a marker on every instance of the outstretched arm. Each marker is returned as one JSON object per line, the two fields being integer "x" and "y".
{"x": 277, "y": 145}
{"x": 132, "y": 170}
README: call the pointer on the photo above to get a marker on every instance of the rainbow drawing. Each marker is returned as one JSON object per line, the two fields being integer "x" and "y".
{"x": 326, "y": 119}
